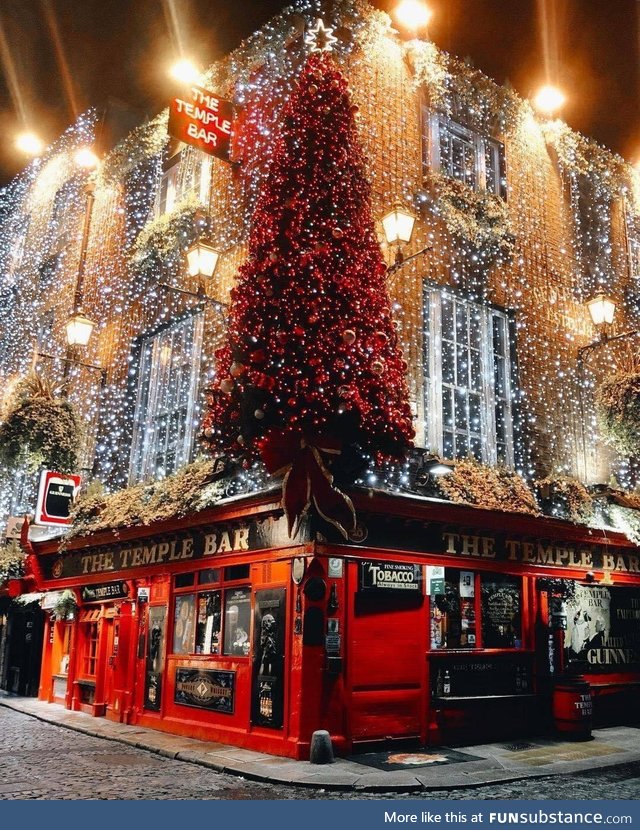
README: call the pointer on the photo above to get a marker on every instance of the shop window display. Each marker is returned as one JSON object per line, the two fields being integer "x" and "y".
{"x": 455, "y": 610}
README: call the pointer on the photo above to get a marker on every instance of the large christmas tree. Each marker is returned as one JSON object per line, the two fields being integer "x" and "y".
{"x": 312, "y": 369}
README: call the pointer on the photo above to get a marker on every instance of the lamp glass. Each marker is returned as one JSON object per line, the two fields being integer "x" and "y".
{"x": 79, "y": 329}
{"x": 412, "y": 14}
{"x": 398, "y": 225}
{"x": 202, "y": 260}
{"x": 602, "y": 310}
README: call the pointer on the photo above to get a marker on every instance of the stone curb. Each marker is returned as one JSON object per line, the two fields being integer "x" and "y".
{"x": 321, "y": 777}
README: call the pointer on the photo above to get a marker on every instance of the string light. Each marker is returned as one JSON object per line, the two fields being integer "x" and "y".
{"x": 530, "y": 261}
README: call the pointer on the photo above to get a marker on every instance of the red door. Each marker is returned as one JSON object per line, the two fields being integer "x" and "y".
{"x": 387, "y": 663}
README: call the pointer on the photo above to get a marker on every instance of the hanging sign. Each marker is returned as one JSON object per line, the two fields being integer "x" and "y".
{"x": 435, "y": 580}
{"x": 102, "y": 593}
{"x": 14, "y": 527}
{"x": 55, "y": 498}
{"x": 204, "y": 120}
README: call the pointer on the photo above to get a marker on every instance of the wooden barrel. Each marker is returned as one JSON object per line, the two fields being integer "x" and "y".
{"x": 573, "y": 708}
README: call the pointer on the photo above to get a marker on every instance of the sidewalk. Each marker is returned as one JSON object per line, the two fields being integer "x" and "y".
{"x": 429, "y": 769}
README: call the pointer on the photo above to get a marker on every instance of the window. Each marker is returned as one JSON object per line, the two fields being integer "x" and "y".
{"x": 90, "y": 659}
{"x": 166, "y": 418}
{"x": 460, "y": 153}
{"x": 468, "y": 384}
{"x": 454, "y": 612}
{"x": 633, "y": 243}
{"x": 186, "y": 174}
{"x": 199, "y": 627}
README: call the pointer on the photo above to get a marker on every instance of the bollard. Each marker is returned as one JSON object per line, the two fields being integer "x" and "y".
{"x": 321, "y": 748}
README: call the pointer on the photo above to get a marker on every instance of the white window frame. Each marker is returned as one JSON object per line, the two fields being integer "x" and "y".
{"x": 434, "y": 383}
{"x": 176, "y": 183}
{"x": 436, "y": 124}
{"x": 155, "y": 377}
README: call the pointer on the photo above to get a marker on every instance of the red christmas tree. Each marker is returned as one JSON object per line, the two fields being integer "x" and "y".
{"x": 312, "y": 365}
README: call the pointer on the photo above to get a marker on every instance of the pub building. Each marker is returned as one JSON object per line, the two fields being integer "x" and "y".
{"x": 436, "y": 624}
{"x": 513, "y": 253}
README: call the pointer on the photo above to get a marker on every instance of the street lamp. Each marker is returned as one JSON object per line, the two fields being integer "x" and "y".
{"x": 202, "y": 259}
{"x": 86, "y": 158}
{"x": 602, "y": 310}
{"x": 549, "y": 99}
{"x": 185, "y": 72}
{"x": 79, "y": 329}
{"x": 398, "y": 227}
{"x": 29, "y": 144}
{"x": 413, "y": 15}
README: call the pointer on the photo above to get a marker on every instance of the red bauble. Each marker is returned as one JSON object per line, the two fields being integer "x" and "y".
{"x": 349, "y": 336}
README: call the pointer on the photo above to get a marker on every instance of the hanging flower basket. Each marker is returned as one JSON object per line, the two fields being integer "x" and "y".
{"x": 39, "y": 428}
{"x": 618, "y": 405}
{"x": 66, "y": 606}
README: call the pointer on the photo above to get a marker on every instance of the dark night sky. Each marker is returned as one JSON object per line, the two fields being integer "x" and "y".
{"x": 119, "y": 49}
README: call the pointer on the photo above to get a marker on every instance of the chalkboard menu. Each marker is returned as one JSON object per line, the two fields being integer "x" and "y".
{"x": 501, "y": 611}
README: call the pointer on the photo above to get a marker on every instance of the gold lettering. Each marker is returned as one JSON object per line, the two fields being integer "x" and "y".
{"x": 527, "y": 552}
{"x": 586, "y": 558}
{"x": 470, "y": 545}
{"x": 136, "y": 557}
{"x": 173, "y": 555}
{"x": 634, "y": 566}
{"x": 608, "y": 562}
{"x": 488, "y": 548}
{"x": 450, "y": 539}
{"x": 513, "y": 548}
{"x": 562, "y": 555}
{"x": 163, "y": 550}
{"x": 620, "y": 564}
{"x": 187, "y": 548}
{"x": 241, "y": 539}
{"x": 545, "y": 554}
{"x": 225, "y": 543}
{"x": 149, "y": 555}
{"x": 85, "y": 564}
{"x": 108, "y": 561}
{"x": 124, "y": 558}
{"x": 210, "y": 544}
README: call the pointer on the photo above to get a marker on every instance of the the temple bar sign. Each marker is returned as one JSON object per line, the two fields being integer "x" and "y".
{"x": 204, "y": 120}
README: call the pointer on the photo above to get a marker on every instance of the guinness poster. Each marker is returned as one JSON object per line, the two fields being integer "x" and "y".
{"x": 603, "y": 631}
{"x": 267, "y": 707}
{"x": 205, "y": 689}
{"x": 155, "y": 657}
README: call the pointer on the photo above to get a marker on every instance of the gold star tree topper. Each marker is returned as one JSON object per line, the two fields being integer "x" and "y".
{"x": 320, "y": 38}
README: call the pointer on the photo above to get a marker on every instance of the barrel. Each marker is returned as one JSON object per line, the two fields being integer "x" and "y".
{"x": 573, "y": 708}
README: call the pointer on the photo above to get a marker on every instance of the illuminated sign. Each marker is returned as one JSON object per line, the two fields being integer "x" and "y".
{"x": 55, "y": 498}
{"x": 204, "y": 120}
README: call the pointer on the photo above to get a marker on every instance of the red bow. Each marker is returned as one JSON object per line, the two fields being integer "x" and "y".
{"x": 306, "y": 479}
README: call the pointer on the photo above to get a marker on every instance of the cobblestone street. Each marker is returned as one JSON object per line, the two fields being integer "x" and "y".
{"x": 42, "y": 761}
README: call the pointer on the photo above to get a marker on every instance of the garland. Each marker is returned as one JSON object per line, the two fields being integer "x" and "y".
{"x": 565, "y": 497}
{"x": 167, "y": 236}
{"x": 492, "y": 488}
{"x": 39, "y": 428}
{"x": 196, "y": 487}
{"x": 618, "y": 408}
{"x": 479, "y": 217}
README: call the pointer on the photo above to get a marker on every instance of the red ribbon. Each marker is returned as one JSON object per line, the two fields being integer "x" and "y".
{"x": 307, "y": 480}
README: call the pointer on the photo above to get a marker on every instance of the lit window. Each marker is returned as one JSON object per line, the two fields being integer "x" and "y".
{"x": 166, "y": 417}
{"x": 633, "y": 243}
{"x": 468, "y": 379}
{"x": 185, "y": 174}
{"x": 460, "y": 153}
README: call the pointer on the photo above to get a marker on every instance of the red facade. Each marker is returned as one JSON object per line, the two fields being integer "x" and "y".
{"x": 440, "y": 623}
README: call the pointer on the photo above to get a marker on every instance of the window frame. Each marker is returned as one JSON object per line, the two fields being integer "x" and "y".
{"x": 479, "y": 576}
{"x": 434, "y": 123}
{"x": 434, "y": 384}
{"x": 223, "y": 587}
{"x": 141, "y": 464}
